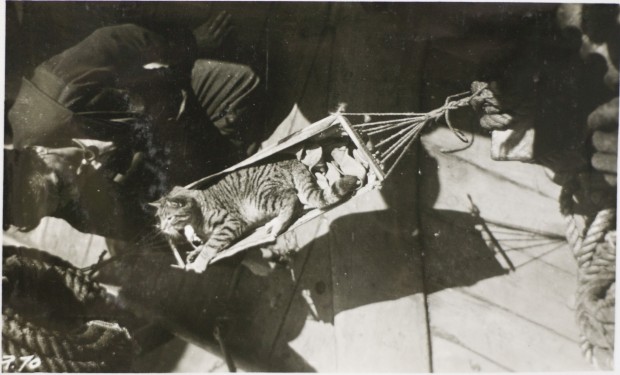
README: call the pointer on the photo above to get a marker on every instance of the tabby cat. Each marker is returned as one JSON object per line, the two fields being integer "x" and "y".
{"x": 270, "y": 193}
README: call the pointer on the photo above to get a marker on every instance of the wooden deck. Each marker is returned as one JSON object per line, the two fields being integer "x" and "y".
{"x": 398, "y": 280}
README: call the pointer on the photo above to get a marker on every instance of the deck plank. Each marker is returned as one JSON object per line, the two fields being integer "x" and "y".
{"x": 451, "y": 355}
{"x": 501, "y": 335}
{"x": 521, "y": 293}
{"x": 562, "y": 259}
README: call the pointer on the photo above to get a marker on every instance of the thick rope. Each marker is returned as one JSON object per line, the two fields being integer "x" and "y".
{"x": 584, "y": 237}
{"x": 595, "y": 305}
{"x": 593, "y": 243}
{"x": 90, "y": 345}
{"x": 603, "y": 222}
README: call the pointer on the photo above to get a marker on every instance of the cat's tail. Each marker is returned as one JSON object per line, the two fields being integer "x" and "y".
{"x": 310, "y": 192}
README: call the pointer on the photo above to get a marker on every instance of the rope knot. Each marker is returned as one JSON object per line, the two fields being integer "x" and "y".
{"x": 482, "y": 95}
{"x": 486, "y": 102}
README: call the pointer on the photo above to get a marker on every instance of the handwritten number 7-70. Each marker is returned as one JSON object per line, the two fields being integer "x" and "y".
{"x": 29, "y": 362}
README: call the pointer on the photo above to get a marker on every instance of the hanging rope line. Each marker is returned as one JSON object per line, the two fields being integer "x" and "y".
{"x": 55, "y": 313}
{"x": 388, "y": 140}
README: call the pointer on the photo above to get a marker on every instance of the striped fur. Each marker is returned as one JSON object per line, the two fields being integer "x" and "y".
{"x": 244, "y": 200}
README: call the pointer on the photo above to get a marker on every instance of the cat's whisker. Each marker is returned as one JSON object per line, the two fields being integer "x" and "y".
{"x": 153, "y": 235}
{"x": 155, "y": 248}
{"x": 152, "y": 245}
{"x": 144, "y": 240}
{"x": 148, "y": 237}
{"x": 143, "y": 234}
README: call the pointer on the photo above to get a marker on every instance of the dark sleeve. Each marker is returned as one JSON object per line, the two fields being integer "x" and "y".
{"x": 114, "y": 57}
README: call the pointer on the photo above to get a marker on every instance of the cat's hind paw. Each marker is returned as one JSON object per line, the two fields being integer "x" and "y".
{"x": 346, "y": 185}
{"x": 274, "y": 227}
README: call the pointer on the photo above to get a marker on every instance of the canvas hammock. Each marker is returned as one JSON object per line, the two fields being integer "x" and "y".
{"x": 366, "y": 145}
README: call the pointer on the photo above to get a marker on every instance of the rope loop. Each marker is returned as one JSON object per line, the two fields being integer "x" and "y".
{"x": 53, "y": 311}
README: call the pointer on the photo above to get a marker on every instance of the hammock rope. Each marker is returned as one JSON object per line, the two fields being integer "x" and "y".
{"x": 389, "y": 140}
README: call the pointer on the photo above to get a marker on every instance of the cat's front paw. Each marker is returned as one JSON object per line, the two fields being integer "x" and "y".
{"x": 198, "y": 266}
{"x": 203, "y": 256}
{"x": 191, "y": 236}
{"x": 191, "y": 256}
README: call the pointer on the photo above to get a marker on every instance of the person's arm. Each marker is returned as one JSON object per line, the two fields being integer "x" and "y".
{"x": 115, "y": 56}
{"x": 211, "y": 34}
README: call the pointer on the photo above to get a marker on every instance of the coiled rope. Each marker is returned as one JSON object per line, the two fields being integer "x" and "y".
{"x": 593, "y": 242}
{"x": 52, "y": 311}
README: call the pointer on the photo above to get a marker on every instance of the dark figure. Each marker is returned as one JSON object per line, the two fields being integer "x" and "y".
{"x": 112, "y": 123}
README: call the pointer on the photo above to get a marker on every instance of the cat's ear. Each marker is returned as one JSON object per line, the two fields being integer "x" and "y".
{"x": 157, "y": 204}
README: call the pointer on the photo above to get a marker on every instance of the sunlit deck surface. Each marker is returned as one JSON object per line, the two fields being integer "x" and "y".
{"x": 398, "y": 279}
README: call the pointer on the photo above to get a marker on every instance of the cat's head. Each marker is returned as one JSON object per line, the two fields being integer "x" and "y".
{"x": 176, "y": 210}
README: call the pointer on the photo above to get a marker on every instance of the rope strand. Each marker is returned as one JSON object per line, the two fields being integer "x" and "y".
{"x": 95, "y": 346}
{"x": 405, "y": 130}
{"x": 594, "y": 248}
